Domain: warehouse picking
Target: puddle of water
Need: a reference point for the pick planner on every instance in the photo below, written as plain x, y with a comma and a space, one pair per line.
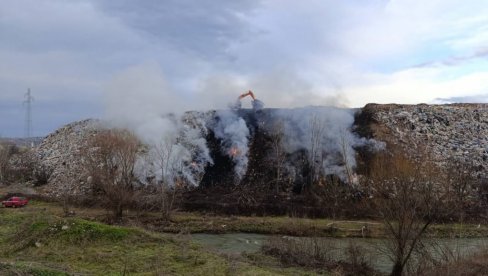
231, 243
236, 243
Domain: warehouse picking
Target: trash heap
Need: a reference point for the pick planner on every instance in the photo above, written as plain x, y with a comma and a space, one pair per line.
454, 132
60, 152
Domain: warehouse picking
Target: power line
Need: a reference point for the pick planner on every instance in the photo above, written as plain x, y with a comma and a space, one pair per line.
28, 113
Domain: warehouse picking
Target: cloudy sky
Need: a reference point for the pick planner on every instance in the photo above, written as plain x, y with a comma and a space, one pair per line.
84, 58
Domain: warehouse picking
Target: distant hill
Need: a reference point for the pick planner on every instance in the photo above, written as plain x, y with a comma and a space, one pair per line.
22, 142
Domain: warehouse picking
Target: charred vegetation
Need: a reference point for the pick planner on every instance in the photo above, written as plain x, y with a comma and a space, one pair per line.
278, 181
309, 161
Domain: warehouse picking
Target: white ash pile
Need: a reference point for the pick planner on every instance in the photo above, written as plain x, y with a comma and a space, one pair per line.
455, 132
60, 152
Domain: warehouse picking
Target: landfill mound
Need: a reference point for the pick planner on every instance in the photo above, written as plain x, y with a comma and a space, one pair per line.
446, 132
61, 153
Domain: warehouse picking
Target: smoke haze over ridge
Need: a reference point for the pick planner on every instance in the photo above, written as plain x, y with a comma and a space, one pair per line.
292, 54
141, 100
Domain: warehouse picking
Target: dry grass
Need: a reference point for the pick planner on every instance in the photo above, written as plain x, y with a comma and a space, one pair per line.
35, 241
318, 254
473, 265
301, 227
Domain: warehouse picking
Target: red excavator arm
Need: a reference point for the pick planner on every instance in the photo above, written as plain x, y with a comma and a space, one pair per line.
248, 93
256, 104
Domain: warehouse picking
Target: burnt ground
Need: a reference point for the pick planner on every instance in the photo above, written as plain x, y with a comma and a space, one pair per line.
258, 193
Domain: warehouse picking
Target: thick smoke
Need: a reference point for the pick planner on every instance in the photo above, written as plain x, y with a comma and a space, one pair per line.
325, 134
179, 155
234, 134
141, 100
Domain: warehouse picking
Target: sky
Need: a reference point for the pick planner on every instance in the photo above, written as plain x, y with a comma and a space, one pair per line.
84, 58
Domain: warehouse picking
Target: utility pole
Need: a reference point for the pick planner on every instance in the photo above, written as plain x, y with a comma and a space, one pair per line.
28, 113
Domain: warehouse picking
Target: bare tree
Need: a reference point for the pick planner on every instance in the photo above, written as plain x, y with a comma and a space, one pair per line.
317, 129
41, 173
169, 163
405, 196
344, 145
65, 197
110, 162
278, 154
4, 162
460, 188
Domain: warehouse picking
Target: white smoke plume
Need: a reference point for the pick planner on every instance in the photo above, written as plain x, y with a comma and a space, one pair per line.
234, 134
140, 100
180, 155
325, 133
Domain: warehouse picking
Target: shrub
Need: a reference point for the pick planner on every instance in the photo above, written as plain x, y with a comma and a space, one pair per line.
307, 252
41, 174
110, 161
318, 253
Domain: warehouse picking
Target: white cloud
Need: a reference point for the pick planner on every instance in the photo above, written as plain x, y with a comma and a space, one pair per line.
291, 53
416, 85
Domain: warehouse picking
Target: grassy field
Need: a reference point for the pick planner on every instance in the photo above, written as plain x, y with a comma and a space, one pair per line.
196, 223
302, 227
184, 222
35, 240
39, 240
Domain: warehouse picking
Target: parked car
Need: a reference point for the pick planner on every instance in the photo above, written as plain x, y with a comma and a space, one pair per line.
15, 201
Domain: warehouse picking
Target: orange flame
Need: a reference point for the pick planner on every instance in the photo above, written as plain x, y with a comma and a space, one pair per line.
233, 152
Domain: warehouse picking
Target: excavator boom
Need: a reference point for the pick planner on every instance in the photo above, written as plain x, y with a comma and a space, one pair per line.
256, 104
248, 93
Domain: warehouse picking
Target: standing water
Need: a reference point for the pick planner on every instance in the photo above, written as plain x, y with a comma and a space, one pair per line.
236, 243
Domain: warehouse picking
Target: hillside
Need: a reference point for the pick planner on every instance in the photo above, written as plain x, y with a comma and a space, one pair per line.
243, 173
455, 132
22, 142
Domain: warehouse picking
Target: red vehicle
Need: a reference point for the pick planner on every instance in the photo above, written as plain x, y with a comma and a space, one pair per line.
15, 201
